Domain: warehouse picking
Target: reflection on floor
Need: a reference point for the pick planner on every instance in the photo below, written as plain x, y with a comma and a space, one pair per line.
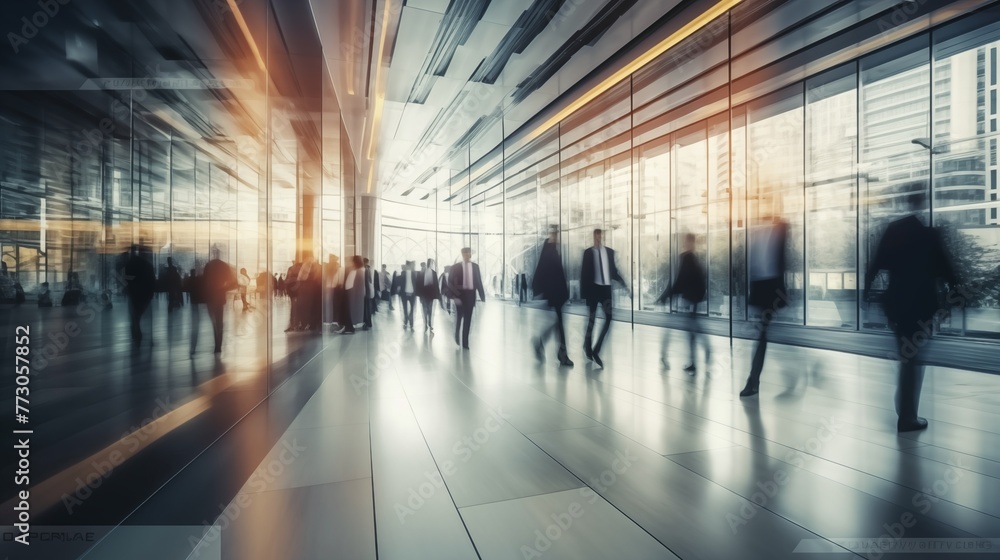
398, 444
96, 399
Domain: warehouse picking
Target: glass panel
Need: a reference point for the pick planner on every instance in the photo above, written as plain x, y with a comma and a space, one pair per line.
653, 225
718, 248
690, 207
775, 154
895, 120
965, 202
831, 200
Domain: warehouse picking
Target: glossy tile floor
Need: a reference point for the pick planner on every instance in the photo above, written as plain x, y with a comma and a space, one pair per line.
400, 445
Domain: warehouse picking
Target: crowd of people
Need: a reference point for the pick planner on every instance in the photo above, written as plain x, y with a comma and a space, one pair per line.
357, 290
348, 296
913, 255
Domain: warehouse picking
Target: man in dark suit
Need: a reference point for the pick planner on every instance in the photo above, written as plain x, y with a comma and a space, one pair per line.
429, 293
377, 284
768, 292
915, 257
394, 290
445, 289
408, 293
465, 282
140, 286
216, 281
369, 304
596, 274
690, 284
549, 280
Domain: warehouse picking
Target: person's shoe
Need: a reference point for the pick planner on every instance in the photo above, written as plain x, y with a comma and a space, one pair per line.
588, 352
565, 361
539, 349
911, 425
597, 360
690, 368
750, 390
341, 330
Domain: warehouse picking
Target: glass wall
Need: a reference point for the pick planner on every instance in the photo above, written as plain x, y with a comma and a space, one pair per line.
136, 147
728, 132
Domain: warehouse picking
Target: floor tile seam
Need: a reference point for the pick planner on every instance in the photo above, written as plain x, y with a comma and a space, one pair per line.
774, 415
324, 426
437, 467
304, 486
750, 434
907, 450
855, 470
518, 498
571, 473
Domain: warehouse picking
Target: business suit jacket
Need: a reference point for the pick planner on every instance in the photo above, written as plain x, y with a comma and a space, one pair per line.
457, 279
397, 283
356, 296
377, 279
368, 276
550, 278
429, 291
690, 281
401, 288
587, 277
915, 257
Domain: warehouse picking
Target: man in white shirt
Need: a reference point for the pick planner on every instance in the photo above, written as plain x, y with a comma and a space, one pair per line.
465, 282
596, 274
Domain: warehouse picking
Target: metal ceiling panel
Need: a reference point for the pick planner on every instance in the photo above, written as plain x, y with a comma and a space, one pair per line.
416, 33
444, 92
464, 63
438, 6
415, 120
486, 36
506, 12
392, 112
